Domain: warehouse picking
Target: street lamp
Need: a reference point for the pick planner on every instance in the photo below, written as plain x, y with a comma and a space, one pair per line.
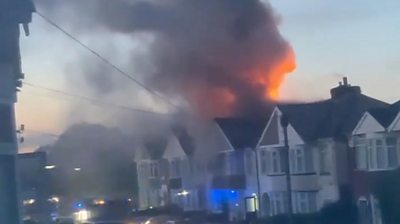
285, 124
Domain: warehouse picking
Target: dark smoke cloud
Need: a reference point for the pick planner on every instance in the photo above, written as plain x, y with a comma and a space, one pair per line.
221, 56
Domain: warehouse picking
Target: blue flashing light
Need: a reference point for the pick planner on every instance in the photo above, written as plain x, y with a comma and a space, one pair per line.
79, 205
219, 197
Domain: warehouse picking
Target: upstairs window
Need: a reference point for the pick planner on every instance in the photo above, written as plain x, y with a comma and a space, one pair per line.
153, 169
249, 162
301, 160
377, 153
361, 151
175, 166
391, 145
264, 161
324, 160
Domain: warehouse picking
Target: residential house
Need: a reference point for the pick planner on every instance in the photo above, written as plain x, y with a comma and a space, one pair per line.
187, 176
318, 135
376, 144
202, 168
150, 170
231, 189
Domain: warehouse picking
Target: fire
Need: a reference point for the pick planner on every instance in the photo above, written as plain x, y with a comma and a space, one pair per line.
278, 74
273, 79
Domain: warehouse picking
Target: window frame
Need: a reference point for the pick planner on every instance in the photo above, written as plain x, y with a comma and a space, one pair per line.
304, 202
249, 162
374, 153
325, 163
175, 168
301, 159
154, 169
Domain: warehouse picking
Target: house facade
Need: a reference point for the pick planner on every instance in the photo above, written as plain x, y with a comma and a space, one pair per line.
149, 172
376, 147
318, 136
243, 162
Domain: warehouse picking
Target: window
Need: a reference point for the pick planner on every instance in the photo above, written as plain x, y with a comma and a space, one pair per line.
298, 161
175, 168
304, 202
301, 160
264, 161
153, 169
235, 166
382, 153
278, 202
276, 161
361, 153
324, 160
391, 146
249, 162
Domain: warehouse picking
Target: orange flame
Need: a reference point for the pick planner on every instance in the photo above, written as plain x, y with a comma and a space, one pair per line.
273, 79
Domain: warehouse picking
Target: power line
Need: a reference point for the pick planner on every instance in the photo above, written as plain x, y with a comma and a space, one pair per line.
91, 100
104, 60
41, 133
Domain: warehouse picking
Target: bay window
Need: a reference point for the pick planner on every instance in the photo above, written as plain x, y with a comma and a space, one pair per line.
391, 145
301, 160
278, 202
304, 202
361, 151
324, 160
264, 161
376, 153
249, 162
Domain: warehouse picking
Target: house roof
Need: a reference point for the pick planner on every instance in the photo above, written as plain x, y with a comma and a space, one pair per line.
241, 133
185, 140
154, 147
385, 115
329, 118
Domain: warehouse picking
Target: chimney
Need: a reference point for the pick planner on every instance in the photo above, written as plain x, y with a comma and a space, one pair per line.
344, 89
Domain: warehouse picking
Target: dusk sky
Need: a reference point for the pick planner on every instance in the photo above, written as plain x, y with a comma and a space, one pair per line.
331, 39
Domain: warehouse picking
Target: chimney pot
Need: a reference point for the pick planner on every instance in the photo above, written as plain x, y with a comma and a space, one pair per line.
345, 81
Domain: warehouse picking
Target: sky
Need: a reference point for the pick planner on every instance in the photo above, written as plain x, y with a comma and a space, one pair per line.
331, 39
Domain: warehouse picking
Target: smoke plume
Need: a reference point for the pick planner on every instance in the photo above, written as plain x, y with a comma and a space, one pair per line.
223, 57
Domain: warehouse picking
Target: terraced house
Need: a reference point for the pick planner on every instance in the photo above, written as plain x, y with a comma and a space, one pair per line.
376, 144
243, 162
318, 135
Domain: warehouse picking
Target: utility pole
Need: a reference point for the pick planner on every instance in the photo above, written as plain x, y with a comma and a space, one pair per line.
13, 13
285, 124
259, 197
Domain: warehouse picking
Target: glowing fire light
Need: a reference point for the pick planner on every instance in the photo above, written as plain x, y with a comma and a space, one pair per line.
29, 202
99, 202
273, 79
